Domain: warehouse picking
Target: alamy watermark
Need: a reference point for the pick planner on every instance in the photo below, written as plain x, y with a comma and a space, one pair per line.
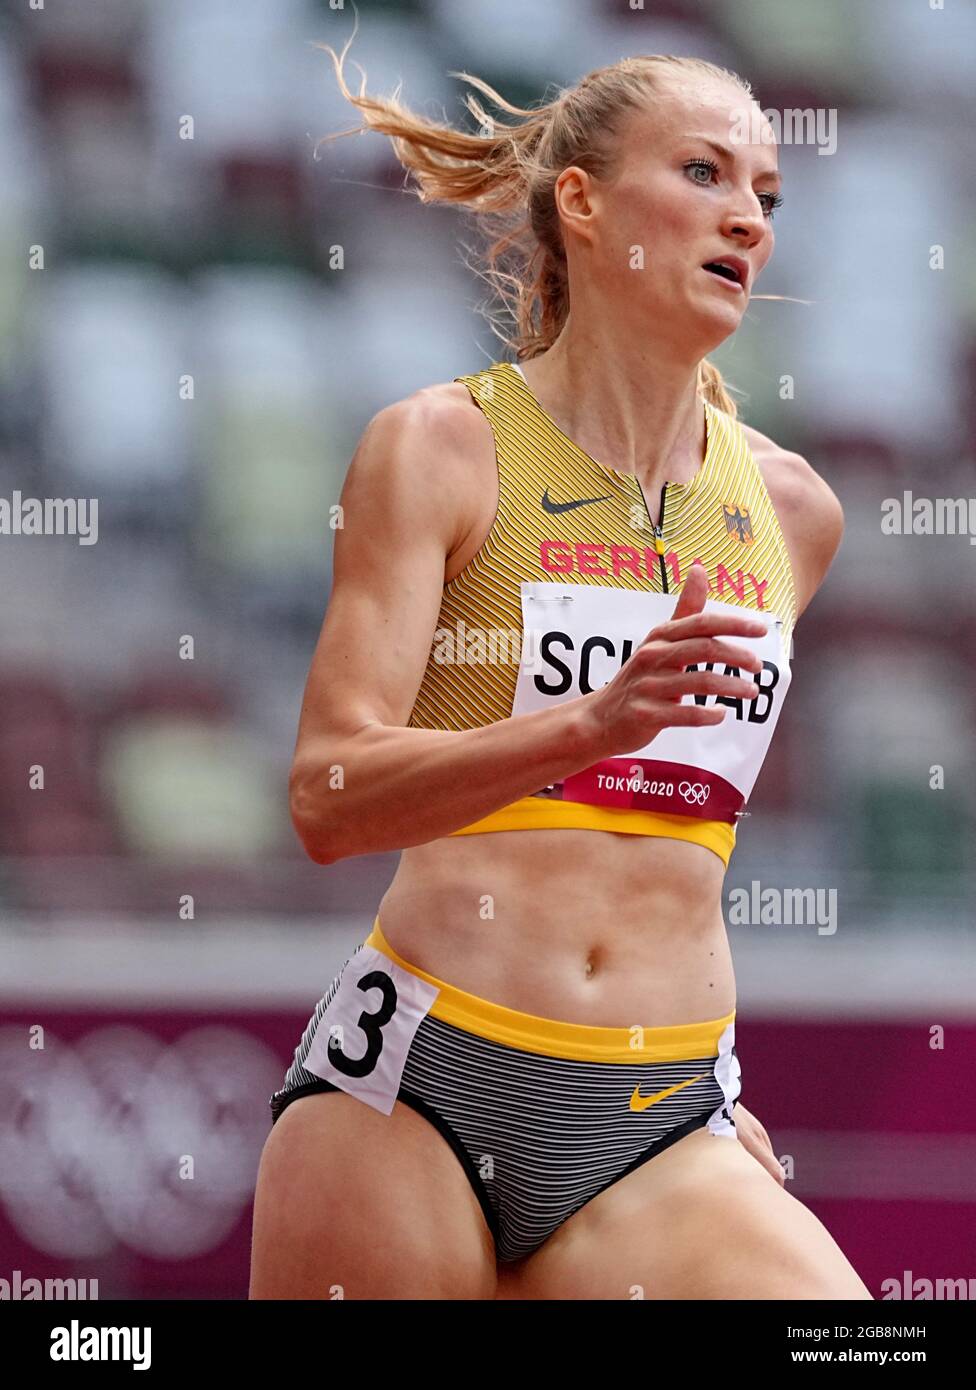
910, 1287
49, 516
810, 125
17, 1287
757, 906
909, 515
479, 646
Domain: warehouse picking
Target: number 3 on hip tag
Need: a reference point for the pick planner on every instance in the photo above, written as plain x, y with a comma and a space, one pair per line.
362, 1039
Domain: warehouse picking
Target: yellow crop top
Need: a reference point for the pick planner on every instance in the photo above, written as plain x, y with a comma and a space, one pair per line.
564, 518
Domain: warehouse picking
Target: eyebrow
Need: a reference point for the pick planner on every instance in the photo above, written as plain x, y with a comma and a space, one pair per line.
730, 154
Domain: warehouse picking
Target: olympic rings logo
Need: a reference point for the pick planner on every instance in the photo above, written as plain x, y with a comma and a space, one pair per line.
119, 1138
695, 792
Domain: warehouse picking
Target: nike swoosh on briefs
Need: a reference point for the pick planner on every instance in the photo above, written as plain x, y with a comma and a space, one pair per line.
556, 507
639, 1102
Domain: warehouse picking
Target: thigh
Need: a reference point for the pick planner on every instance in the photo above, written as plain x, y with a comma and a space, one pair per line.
702, 1220
351, 1203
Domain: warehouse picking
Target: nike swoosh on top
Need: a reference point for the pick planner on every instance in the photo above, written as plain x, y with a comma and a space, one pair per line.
556, 507
639, 1102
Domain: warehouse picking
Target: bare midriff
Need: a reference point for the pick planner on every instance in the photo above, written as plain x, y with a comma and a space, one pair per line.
583, 926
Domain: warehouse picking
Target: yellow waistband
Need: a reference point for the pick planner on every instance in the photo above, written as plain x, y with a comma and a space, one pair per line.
574, 1041
538, 813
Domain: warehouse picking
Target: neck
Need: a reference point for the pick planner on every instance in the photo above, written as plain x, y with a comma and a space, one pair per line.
638, 412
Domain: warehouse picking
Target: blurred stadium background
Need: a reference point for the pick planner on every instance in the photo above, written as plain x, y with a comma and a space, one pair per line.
167, 258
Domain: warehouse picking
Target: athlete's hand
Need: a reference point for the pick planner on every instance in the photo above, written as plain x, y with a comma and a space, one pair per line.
644, 696
754, 1138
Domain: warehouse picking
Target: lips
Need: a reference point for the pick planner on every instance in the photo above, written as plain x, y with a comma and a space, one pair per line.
730, 268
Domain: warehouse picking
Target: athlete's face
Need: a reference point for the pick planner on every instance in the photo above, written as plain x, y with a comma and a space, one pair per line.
696, 183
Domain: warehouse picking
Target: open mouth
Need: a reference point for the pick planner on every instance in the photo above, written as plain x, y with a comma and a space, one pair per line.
725, 271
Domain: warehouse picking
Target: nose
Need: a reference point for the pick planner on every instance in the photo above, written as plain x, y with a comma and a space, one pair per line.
748, 226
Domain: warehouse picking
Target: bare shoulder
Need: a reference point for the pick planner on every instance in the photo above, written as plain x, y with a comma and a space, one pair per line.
807, 508
446, 408
441, 420
467, 468
428, 458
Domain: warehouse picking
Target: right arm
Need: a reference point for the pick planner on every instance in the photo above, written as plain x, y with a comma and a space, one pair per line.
406, 508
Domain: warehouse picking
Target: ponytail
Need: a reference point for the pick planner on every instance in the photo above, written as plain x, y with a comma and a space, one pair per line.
505, 173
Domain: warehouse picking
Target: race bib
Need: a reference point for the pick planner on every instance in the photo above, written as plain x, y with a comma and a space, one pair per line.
576, 637
364, 1035
728, 1074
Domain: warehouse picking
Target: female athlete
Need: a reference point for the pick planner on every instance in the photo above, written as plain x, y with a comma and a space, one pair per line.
556, 647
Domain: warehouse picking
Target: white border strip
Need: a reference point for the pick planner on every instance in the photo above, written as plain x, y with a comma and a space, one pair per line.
238, 962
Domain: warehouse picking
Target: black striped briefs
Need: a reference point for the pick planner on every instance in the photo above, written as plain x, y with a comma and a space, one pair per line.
541, 1115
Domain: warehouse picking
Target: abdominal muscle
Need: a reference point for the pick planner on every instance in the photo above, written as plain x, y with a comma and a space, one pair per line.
583, 926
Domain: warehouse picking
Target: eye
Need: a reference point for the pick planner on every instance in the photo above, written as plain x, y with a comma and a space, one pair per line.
709, 166
770, 201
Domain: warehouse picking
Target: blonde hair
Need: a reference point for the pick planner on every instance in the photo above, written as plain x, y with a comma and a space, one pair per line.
506, 173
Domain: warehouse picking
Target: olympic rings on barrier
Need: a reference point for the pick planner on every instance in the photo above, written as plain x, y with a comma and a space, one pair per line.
122, 1139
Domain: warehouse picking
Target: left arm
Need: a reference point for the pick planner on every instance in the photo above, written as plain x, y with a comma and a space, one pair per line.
808, 511
812, 521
